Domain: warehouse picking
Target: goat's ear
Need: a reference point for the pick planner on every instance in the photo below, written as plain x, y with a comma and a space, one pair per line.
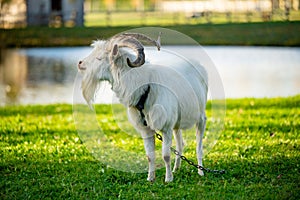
115, 50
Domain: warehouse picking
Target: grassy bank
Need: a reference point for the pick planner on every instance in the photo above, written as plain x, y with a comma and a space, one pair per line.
268, 33
42, 157
133, 18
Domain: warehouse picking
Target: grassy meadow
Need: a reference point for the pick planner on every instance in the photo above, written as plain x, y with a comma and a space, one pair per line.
43, 157
154, 18
255, 33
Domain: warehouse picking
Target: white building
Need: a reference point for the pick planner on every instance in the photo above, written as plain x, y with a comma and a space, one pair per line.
54, 12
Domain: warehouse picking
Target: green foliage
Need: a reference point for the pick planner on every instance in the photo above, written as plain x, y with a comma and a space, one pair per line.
42, 156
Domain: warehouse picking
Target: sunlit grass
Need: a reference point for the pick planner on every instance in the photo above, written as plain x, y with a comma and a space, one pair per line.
42, 156
255, 33
180, 18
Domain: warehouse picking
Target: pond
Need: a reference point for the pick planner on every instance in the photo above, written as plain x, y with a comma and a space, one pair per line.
46, 75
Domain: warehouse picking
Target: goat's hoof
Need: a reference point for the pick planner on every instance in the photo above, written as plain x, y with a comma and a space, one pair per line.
200, 172
176, 166
175, 169
169, 179
151, 180
151, 177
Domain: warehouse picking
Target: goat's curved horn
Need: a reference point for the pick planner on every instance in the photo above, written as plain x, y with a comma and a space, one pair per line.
145, 38
137, 47
140, 59
131, 40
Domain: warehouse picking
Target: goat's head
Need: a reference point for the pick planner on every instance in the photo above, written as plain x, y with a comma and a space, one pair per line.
98, 65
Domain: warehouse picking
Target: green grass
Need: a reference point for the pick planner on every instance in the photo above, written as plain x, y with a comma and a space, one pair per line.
42, 156
154, 18
266, 33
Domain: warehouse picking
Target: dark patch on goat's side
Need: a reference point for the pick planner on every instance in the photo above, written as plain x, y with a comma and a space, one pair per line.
141, 104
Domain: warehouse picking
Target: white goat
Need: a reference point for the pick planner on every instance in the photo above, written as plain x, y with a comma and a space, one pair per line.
165, 98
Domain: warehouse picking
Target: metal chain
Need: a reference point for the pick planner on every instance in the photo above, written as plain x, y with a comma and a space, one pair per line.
159, 137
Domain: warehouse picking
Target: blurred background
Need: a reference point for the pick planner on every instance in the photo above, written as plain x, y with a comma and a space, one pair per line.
254, 44
55, 13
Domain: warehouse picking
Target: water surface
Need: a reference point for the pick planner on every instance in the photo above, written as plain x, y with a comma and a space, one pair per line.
46, 75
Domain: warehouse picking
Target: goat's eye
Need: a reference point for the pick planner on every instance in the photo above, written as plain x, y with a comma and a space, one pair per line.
99, 58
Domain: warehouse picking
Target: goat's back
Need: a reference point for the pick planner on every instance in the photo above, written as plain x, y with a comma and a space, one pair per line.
185, 80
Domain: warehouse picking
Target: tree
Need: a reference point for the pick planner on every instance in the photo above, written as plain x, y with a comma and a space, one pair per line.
3, 2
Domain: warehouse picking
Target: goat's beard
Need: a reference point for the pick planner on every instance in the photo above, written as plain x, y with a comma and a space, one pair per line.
89, 85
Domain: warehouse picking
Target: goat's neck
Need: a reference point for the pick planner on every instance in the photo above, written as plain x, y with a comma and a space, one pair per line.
126, 83
128, 88
119, 83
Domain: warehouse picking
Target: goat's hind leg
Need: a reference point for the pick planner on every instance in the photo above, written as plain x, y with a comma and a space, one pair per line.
179, 147
166, 153
199, 138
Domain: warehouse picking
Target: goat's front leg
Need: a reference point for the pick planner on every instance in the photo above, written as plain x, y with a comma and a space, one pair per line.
179, 147
148, 137
149, 144
166, 153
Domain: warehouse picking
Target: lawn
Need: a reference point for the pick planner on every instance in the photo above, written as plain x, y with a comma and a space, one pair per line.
259, 33
134, 18
43, 157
